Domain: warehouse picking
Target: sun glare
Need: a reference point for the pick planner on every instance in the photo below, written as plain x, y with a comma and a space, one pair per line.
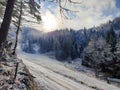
49, 22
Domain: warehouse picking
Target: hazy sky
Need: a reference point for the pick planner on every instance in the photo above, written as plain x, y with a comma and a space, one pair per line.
91, 13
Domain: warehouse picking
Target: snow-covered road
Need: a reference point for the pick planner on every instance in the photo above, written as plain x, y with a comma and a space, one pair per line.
53, 75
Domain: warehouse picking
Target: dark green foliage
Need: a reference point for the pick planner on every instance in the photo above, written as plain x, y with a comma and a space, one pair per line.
63, 42
57, 48
111, 39
117, 75
74, 52
103, 53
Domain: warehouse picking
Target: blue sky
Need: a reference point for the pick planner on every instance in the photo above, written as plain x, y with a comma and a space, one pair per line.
118, 3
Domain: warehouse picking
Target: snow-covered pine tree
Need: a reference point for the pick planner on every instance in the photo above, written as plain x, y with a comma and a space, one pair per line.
111, 39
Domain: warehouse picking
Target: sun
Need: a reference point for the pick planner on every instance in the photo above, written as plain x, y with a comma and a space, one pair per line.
49, 22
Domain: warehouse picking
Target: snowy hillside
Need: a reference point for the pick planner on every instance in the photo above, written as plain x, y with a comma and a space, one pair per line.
13, 73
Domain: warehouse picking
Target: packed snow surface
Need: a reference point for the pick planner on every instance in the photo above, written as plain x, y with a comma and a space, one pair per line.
54, 75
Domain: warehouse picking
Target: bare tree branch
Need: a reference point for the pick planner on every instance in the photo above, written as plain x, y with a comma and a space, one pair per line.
74, 2
64, 10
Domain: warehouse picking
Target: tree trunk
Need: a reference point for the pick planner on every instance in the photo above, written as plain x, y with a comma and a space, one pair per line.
18, 28
6, 21
16, 70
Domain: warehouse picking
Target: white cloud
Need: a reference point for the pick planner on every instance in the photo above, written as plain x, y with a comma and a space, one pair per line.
91, 13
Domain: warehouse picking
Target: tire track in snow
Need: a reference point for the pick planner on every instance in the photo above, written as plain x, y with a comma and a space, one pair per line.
52, 82
65, 82
89, 85
72, 78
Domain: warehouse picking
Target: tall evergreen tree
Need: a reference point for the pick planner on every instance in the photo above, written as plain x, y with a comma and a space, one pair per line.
6, 21
18, 26
111, 39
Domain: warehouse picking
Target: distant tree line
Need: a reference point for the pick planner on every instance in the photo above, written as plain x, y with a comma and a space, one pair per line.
98, 47
66, 44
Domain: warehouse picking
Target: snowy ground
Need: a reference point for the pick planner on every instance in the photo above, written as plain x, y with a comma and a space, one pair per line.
77, 65
54, 75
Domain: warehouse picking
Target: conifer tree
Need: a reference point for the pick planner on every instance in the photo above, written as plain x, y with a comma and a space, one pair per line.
6, 21
111, 39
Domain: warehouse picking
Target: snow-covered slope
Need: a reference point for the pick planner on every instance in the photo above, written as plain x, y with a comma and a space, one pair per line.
53, 75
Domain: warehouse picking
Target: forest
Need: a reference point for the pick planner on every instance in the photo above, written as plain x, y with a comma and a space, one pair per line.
97, 47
